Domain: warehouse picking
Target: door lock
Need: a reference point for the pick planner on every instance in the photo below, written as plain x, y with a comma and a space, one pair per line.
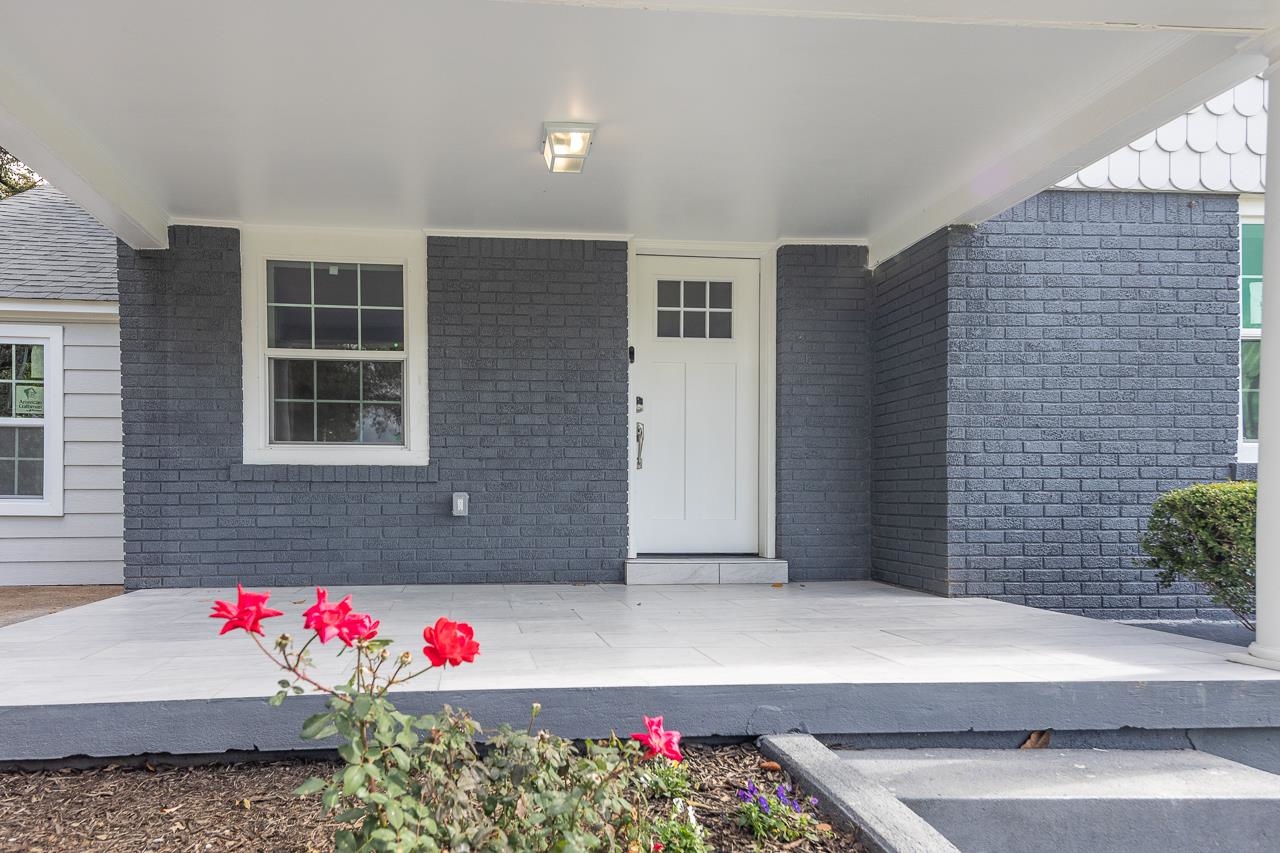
639, 405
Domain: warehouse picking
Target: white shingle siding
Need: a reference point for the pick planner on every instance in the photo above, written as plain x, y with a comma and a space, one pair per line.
84, 545
1220, 146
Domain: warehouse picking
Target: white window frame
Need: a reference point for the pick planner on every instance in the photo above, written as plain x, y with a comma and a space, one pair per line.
49, 337
404, 248
1246, 449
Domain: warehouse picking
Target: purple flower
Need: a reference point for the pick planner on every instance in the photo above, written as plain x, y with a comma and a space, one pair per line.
744, 796
813, 801
763, 803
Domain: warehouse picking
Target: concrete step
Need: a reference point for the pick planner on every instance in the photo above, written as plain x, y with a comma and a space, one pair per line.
1047, 801
705, 570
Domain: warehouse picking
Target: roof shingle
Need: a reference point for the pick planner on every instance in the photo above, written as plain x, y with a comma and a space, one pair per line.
51, 249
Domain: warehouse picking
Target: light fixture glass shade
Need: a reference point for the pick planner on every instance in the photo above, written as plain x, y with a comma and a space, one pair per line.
565, 146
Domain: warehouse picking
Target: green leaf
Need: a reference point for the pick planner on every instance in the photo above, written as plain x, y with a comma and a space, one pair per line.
277, 699
349, 815
283, 684
395, 815
352, 778
312, 786
362, 705
318, 726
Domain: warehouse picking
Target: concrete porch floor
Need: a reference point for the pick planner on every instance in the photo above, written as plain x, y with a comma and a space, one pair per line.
146, 672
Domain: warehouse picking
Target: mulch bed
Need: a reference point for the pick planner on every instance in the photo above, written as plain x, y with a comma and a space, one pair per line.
28, 602
248, 807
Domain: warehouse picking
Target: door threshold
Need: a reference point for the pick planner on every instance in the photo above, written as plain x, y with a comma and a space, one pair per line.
704, 569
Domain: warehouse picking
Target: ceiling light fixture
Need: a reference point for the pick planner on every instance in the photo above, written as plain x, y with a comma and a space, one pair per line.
565, 145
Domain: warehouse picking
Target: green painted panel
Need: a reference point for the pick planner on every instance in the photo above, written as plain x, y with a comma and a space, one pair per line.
1251, 303
1251, 249
1250, 359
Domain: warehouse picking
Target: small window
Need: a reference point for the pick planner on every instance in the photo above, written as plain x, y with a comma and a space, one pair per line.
30, 420
695, 309
1250, 337
335, 347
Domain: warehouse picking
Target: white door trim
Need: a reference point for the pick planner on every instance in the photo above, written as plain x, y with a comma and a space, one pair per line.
766, 254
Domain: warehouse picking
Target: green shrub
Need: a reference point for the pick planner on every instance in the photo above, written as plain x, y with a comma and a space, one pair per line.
1205, 533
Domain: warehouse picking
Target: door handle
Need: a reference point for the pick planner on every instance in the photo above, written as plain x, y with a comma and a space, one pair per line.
639, 445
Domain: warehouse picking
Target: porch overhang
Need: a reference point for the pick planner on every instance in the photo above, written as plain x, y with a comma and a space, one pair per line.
719, 120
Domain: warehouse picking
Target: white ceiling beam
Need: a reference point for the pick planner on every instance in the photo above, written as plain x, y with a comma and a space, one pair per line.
1197, 70
63, 154
1235, 17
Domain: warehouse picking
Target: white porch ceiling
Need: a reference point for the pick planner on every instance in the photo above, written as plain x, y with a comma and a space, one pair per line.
719, 120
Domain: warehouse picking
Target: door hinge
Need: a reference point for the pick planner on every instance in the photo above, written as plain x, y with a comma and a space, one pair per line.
631, 355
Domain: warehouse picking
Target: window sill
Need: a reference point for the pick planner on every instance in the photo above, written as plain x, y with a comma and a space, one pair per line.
328, 473
30, 509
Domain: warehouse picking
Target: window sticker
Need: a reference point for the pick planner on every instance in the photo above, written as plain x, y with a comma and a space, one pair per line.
28, 401
37, 362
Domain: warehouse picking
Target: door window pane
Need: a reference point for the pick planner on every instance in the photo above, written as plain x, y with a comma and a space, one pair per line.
695, 294
721, 294
720, 325
695, 324
668, 294
668, 324
1250, 354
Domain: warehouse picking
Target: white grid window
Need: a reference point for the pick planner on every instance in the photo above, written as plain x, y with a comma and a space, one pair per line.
30, 420
335, 347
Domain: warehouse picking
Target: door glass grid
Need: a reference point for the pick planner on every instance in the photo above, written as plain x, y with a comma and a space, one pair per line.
695, 309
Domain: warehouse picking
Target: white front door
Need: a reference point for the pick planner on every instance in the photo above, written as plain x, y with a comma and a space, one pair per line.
695, 329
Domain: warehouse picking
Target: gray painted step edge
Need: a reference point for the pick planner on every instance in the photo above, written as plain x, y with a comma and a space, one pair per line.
884, 824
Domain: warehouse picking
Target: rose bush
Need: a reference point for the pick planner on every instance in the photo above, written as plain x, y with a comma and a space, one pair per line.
421, 783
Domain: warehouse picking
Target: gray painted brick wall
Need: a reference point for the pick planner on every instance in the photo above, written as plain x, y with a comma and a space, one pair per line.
909, 486
824, 416
1093, 363
527, 386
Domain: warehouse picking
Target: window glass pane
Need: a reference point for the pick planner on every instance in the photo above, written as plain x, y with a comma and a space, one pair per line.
1251, 249
21, 380
1251, 303
381, 285
1250, 353
720, 325
289, 282
381, 329
21, 462
337, 422
293, 422
695, 324
668, 294
338, 380
380, 424
721, 294
695, 294
336, 284
383, 380
289, 327
668, 324
293, 379
30, 478
337, 328
346, 402
30, 442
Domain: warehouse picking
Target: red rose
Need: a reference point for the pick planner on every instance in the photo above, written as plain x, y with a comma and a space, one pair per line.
324, 617
247, 613
450, 642
659, 741
357, 626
